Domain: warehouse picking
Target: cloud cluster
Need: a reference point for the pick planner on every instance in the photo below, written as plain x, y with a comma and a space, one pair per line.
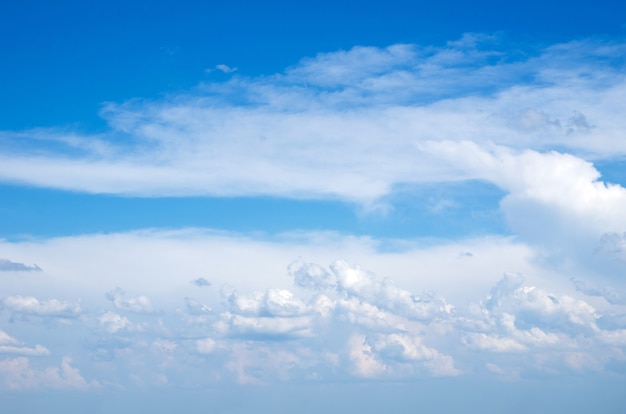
521, 319
374, 316
339, 321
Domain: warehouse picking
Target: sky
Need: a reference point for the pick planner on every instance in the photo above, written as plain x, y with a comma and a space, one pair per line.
255, 207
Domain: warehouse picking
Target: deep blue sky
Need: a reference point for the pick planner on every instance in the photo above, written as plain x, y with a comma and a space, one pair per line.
62, 59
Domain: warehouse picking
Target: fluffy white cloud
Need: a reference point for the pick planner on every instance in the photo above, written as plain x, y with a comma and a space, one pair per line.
263, 328
272, 313
6, 339
357, 283
311, 276
31, 306
550, 332
386, 295
112, 322
272, 302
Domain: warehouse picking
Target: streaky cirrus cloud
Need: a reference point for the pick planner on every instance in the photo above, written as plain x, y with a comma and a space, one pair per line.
362, 114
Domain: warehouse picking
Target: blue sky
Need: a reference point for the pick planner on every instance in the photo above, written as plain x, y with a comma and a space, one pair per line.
329, 206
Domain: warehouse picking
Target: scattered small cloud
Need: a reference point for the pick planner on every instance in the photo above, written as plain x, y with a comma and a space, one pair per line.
222, 68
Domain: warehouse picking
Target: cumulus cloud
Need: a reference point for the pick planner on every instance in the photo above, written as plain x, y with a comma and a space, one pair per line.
113, 322
31, 306
311, 276
9, 266
272, 302
551, 332
272, 313
525, 312
140, 304
263, 328
355, 282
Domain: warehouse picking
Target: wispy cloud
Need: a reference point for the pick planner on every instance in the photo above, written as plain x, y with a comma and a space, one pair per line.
345, 124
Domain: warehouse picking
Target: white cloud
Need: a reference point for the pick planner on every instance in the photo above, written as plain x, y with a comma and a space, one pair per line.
312, 311
38, 350
264, 328
225, 68
17, 374
311, 276
365, 365
272, 302
493, 343
31, 306
273, 313
139, 304
112, 322
6, 339
317, 129
386, 295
